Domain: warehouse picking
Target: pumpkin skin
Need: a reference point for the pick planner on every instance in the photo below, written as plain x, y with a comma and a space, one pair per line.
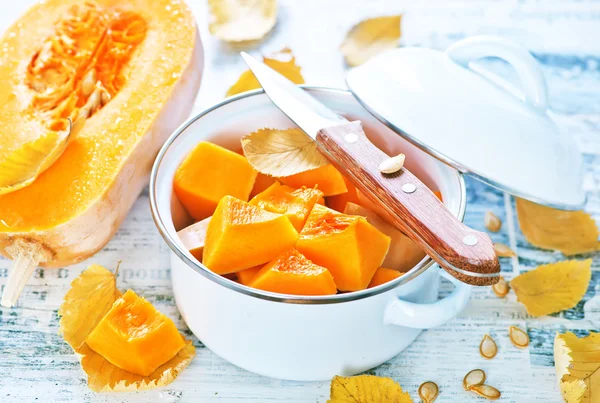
73, 208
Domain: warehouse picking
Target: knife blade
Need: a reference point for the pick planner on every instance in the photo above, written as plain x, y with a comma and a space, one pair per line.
401, 198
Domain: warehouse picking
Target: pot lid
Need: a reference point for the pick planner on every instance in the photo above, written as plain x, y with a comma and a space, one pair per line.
473, 120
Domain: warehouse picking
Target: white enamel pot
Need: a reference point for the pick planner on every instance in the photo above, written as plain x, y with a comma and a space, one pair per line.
294, 337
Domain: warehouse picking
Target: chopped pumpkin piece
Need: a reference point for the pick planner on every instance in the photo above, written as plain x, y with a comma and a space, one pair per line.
135, 337
207, 174
296, 204
383, 275
261, 184
194, 236
338, 202
404, 253
348, 246
246, 276
292, 273
326, 178
241, 236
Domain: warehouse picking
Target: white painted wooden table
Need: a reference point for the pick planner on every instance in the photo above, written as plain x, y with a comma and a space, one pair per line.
36, 365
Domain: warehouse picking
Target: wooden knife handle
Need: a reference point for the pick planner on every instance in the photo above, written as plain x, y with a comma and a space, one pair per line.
411, 206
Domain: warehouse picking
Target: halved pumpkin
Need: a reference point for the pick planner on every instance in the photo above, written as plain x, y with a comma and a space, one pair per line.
348, 246
126, 73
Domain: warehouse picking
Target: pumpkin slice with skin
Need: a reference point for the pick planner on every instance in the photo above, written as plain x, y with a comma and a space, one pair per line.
404, 253
194, 237
240, 236
124, 97
208, 173
348, 246
296, 204
135, 337
326, 178
383, 275
292, 273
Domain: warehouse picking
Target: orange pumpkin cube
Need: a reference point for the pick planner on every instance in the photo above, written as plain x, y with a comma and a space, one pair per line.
292, 273
194, 236
326, 178
383, 275
348, 246
338, 202
135, 337
207, 174
296, 204
404, 253
261, 184
240, 236
246, 276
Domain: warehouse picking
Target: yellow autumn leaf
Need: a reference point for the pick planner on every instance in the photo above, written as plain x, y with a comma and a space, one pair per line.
278, 153
553, 287
577, 362
283, 62
370, 38
91, 296
571, 232
242, 20
24, 164
366, 389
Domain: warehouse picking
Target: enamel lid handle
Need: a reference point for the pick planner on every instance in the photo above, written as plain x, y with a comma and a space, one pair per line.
408, 204
532, 80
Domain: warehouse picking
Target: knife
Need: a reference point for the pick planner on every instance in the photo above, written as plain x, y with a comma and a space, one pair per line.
401, 198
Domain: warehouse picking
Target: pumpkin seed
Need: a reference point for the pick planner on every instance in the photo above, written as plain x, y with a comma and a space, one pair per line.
428, 391
518, 337
501, 288
503, 250
492, 222
393, 164
487, 391
473, 378
488, 348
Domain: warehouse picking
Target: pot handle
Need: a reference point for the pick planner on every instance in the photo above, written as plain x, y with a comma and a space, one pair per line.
532, 80
425, 316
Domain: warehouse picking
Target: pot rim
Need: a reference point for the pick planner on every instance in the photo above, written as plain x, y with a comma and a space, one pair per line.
423, 265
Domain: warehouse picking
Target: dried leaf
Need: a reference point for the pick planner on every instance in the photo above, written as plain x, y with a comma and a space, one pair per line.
283, 62
473, 378
488, 348
571, 232
487, 391
105, 377
370, 38
91, 296
501, 288
518, 337
492, 222
282, 152
242, 20
553, 287
428, 391
366, 389
24, 164
503, 250
578, 366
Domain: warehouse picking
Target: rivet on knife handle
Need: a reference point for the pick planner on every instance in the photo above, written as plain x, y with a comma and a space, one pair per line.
408, 204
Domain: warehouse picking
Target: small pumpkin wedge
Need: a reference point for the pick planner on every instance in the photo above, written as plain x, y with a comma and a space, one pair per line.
126, 73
